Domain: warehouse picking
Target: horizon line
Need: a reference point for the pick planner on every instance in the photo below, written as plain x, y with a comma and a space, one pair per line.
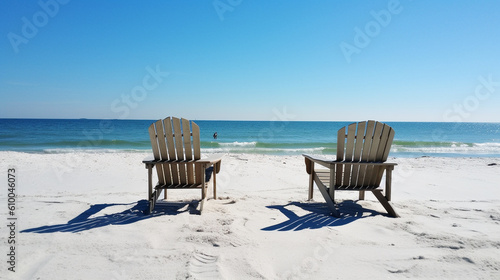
110, 119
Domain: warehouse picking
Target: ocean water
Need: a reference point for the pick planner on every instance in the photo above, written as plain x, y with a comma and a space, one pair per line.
412, 139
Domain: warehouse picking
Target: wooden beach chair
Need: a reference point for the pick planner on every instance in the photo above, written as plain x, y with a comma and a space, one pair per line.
177, 158
362, 149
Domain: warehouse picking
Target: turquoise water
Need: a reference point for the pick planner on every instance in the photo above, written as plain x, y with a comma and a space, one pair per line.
262, 137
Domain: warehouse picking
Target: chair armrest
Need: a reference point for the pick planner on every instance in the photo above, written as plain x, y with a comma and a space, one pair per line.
321, 161
211, 159
331, 163
150, 161
387, 164
214, 160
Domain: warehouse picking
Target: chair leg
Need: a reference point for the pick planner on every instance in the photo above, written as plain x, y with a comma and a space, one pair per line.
332, 184
215, 183
204, 190
150, 180
311, 185
311, 178
204, 186
362, 195
326, 195
387, 205
388, 182
151, 195
152, 200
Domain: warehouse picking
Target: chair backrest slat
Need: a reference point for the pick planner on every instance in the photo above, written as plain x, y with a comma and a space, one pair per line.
340, 156
161, 140
169, 137
154, 141
351, 137
340, 144
367, 143
154, 137
196, 141
188, 150
372, 157
349, 150
186, 138
365, 150
388, 144
179, 150
383, 142
357, 152
161, 132
359, 141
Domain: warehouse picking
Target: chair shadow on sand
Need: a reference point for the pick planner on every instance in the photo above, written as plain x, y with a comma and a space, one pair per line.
85, 221
319, 216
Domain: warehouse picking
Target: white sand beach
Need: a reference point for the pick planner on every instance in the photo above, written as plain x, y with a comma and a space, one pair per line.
79, 216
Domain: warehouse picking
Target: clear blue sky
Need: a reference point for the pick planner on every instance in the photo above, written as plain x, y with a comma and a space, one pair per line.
251, 60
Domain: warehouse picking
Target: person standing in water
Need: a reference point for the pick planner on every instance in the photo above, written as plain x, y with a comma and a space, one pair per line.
215, 135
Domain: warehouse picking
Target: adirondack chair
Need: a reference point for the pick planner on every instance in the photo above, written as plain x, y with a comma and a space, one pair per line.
362, 149
177, 158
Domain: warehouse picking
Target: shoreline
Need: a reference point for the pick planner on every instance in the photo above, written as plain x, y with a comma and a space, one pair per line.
80, 217
105, 151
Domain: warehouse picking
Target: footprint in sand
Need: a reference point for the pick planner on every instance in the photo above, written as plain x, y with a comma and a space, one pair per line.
203, 266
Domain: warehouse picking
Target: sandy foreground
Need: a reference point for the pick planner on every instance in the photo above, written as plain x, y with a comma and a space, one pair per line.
80, 216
